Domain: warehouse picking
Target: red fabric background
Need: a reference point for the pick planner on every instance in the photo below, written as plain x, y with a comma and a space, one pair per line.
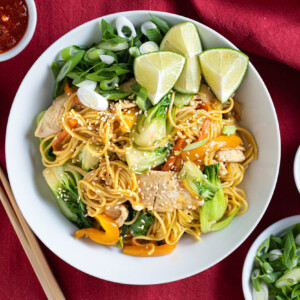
239, 23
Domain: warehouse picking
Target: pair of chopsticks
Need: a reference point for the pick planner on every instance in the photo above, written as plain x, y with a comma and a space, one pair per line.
29, 242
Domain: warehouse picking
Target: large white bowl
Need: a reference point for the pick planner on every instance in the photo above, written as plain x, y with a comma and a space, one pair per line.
37, 202
278, 228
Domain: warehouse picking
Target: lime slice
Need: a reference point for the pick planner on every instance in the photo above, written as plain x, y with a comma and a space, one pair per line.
184, 38
157, 72
223, 70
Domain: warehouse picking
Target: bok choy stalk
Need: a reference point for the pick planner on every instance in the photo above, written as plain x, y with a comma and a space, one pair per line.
140, 161
87, 160
49, 153
151, 126
193, 179
214, 210
63, 181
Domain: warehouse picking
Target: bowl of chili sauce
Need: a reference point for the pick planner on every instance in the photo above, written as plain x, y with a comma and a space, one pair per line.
17, 25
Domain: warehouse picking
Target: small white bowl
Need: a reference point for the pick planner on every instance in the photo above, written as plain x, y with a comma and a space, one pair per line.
32, 17
277, 228
297, 169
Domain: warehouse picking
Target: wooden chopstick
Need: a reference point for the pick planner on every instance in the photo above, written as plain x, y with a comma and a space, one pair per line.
29, 243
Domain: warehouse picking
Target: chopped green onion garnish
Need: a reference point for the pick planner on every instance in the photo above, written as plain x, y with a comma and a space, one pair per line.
229, 130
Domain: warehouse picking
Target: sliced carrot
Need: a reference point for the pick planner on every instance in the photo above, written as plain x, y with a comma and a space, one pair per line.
69, 92
180, 144
205, 106
63, 135
204, 130
67, 89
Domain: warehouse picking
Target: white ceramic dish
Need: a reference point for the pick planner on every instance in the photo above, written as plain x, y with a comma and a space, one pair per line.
190, 257
277, 228
32, 17
297, 169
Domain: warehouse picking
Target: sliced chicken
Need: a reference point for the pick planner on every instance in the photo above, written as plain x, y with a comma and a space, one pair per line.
119, 213
50, 122
222, 169
162, 191
230, 155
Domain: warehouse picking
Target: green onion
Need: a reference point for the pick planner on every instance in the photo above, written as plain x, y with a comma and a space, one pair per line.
270, 278
195, 145
69, 52
146, 26
148, 47
161, 24
70, 65
229, 129
58, 88
289, 251
106, 27
134, 51
255, 279
111, 84
55, 69
114, 95
113, 47
93, 54
290, 278
264, 247
154, 35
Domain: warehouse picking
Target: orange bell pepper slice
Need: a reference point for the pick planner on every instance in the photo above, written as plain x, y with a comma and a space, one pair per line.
218, 143
108, 237
127, 119
143, 250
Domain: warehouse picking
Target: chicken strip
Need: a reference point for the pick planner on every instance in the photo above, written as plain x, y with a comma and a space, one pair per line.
163, 191
50, 122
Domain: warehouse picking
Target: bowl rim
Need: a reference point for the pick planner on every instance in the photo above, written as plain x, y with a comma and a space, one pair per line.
275, 228
256, 74
32, 20
297, 169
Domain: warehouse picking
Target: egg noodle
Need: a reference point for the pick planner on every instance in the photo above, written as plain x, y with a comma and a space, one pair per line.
112, 183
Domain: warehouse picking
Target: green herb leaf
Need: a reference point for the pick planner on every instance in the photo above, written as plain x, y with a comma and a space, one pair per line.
142, 224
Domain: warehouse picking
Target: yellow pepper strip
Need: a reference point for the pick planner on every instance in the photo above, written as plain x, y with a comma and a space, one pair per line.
127, 119
215, 144
108, 237
144, 250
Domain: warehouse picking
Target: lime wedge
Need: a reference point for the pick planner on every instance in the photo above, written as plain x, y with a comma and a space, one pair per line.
157, 72
184, 39
223, 70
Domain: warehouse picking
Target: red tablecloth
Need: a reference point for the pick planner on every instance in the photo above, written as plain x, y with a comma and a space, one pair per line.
223, 281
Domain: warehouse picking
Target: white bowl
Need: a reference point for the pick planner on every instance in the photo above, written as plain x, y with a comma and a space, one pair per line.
277, 228
297, 169
32, 17
37, 202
